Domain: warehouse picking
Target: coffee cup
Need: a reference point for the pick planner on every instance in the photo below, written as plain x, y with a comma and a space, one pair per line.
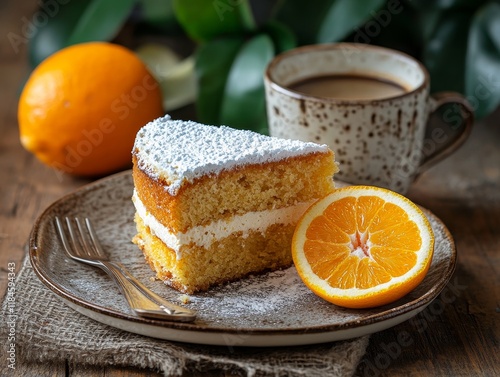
370, 104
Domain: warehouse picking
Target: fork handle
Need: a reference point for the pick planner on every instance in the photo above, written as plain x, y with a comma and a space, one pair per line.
142, 300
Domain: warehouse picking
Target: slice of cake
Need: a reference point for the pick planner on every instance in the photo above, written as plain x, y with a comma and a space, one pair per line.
214, 204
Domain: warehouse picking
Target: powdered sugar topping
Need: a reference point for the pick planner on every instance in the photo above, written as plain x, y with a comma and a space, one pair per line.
177, 151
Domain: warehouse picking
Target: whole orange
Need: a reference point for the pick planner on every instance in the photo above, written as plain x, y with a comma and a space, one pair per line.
81, 108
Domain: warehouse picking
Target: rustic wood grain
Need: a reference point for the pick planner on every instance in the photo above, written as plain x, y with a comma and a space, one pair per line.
458, 335
56, 369
26, 186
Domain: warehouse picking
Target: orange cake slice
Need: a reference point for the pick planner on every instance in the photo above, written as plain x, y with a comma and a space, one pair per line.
214, 204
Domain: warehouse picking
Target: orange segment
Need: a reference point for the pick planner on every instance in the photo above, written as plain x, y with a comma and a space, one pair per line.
362, 247
344, 276
325, 256
395, 261
366, 209
371, 273
323, 229
340, 213
403, 236
388, 215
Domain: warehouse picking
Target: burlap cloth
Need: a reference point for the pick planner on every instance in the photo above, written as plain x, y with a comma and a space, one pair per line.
46, 329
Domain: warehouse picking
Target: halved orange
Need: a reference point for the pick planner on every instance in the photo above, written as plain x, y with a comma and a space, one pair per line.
362, 246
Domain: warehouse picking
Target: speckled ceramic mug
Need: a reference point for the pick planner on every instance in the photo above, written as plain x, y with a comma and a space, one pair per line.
384, 141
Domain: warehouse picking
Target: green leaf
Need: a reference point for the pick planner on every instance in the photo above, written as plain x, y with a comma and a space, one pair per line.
52, 36
282, 37
160, 14
213, 63
344, 16
101, 21
483, 60
243, 104
204, 20
303, 20
264, 11
446, 4
428, 21
394, 27
444, 52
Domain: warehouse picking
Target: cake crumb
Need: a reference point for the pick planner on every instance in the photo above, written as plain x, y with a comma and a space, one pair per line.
185, 299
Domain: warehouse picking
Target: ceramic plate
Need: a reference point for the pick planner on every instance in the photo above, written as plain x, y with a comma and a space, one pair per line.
273, 309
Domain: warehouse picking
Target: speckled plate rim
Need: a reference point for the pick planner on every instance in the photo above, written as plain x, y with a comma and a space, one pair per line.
240, 336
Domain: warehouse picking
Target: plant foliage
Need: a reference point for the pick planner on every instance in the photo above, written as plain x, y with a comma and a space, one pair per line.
457, 40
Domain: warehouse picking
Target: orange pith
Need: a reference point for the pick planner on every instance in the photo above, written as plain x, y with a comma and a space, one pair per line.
362, 247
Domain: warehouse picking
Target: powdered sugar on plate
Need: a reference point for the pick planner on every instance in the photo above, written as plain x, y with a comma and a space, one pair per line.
251, 311
279, 299
258, 294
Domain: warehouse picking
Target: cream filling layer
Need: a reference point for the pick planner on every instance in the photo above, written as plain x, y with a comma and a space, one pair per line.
204, 236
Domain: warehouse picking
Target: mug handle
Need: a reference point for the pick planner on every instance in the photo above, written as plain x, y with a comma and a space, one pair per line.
466, 113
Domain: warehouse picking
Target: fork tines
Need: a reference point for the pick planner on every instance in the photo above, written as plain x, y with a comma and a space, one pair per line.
82, 241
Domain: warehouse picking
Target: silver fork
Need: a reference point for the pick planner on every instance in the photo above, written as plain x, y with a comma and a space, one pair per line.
82, 245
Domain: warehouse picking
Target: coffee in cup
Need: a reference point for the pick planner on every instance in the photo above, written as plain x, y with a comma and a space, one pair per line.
348, 87
370, 104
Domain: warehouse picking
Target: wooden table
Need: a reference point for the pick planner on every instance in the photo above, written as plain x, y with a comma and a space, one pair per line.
457, 335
